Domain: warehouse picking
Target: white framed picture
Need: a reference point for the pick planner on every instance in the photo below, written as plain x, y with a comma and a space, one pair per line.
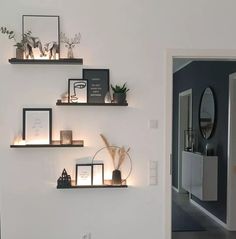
37, 125
83, 174
98, 174
77, 91
41, 36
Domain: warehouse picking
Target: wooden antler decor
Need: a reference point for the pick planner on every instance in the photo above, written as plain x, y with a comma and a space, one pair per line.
70, 43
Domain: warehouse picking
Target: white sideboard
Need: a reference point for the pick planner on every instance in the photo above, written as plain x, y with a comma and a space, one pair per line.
200, 175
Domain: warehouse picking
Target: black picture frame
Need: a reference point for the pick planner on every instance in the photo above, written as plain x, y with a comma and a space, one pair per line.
92, 179
87, 169
27, 135
98, 84
45, 40
81, 84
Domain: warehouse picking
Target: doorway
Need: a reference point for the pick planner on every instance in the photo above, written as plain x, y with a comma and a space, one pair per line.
184, 123
194, 55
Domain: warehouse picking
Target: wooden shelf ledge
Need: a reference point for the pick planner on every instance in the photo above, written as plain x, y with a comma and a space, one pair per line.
94, 186
54, 144
107, 184
89, 104
62, 61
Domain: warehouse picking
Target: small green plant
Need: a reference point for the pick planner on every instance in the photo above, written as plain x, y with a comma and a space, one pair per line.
120, 89
11, 34
19, 45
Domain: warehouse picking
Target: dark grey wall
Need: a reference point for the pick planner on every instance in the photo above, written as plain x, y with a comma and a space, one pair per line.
198, 75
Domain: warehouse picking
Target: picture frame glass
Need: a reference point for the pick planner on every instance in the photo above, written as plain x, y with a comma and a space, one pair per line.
77, 90
98, 174
37, 126
98, 84
66, 137
83, 175
41, 35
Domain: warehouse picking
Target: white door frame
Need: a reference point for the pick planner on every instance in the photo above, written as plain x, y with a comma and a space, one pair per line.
231, 209
180, 134
170, 54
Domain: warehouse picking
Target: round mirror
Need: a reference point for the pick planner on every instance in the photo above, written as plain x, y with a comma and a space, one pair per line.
207, 113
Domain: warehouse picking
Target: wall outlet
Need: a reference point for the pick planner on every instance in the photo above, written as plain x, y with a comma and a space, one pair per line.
153, 124
87, 236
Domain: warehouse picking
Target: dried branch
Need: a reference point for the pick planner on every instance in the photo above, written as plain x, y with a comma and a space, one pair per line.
112, 151
72, 41
122, 154
76, 39
64, 39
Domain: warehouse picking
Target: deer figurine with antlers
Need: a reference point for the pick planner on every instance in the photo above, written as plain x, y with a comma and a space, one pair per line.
70, 43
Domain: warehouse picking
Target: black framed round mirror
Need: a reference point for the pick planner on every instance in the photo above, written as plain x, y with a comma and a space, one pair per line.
207, 113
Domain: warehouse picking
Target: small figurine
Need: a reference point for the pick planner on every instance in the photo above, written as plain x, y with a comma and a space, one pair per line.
52, 48
64, 181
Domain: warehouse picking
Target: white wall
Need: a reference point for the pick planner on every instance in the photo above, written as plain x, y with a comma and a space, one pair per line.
130, 37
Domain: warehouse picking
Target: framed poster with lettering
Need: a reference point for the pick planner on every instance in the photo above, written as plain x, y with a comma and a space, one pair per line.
83, 174
37, 125
98, 84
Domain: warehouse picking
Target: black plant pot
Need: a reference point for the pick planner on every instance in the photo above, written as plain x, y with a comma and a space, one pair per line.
119, 98
116, 177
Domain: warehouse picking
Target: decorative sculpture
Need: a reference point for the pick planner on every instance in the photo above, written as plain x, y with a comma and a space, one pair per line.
64, 181
52, 48
70, 43
31, 42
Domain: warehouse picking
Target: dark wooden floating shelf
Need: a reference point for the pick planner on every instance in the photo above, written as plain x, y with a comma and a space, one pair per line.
61, 61
90, 104
54, 144
94, 186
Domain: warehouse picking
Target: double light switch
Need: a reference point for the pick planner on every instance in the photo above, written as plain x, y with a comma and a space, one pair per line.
153, 172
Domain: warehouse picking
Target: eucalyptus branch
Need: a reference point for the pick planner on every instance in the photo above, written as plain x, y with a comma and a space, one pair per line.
9, 33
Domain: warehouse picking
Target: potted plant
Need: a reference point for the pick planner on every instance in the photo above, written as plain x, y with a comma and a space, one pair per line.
119, 93
19, 45
19, 50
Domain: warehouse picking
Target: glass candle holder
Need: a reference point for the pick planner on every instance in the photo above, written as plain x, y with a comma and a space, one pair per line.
189, 140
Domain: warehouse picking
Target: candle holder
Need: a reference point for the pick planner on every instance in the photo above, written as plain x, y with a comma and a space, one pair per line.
189, 140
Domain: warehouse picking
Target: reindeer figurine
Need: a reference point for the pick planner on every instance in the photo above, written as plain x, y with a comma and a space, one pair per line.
70, 43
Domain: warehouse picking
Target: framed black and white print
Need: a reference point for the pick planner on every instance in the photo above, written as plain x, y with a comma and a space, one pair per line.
77, 91
98, 84
41, 36
37, 125
83, 174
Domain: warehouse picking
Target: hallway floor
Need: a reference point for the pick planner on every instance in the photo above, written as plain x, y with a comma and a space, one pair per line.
213, 229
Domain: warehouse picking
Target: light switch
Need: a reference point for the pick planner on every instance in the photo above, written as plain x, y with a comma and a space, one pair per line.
153, 172
153, 124
153, 181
